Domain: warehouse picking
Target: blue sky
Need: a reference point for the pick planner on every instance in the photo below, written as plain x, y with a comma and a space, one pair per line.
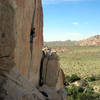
71, 19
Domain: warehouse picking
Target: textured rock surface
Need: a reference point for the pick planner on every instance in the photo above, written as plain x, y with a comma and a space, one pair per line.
51, 93
52, 74
13, 86
17, 18
52, 70
61, 80
37, 43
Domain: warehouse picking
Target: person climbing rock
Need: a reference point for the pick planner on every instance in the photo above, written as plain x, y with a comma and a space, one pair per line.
32, 35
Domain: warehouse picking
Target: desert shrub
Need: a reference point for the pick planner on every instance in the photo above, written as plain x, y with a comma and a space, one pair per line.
73, 91
88, 96
98, 77
85, 83
67, 78
79, 93
73, 78
84, 96
89, 90
96, 96
91, 78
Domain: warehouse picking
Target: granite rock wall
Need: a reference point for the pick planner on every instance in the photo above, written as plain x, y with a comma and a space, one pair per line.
18, 19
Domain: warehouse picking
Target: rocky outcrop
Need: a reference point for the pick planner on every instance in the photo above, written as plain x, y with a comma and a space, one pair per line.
21, 42
52, 75
52, 94
18, 19
13, 86
92, 41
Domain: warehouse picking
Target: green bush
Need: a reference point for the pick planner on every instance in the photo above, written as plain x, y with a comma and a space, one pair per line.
92, 78
84, 96
67, 78
74, 90
88, 96
98, 77
85, 83
89, 90
79, 93
73, 78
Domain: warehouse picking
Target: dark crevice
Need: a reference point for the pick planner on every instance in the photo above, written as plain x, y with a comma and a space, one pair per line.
3, 92
44, 93
32, 35
4, 56
3, 35
41, 70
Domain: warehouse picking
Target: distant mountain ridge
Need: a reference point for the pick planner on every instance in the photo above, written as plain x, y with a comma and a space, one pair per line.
67, 42
92, 41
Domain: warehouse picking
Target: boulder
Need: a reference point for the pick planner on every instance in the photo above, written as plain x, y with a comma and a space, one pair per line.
13, 86
52, 70
62, 93
50, 93
52, 74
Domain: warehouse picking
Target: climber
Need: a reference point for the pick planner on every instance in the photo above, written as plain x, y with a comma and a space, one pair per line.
32, 35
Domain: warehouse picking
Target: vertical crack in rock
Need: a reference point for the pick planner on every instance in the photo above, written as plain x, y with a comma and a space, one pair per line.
41, 69
42, 73
32, 35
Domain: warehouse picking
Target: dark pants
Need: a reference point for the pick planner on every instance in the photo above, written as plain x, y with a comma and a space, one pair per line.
31, 46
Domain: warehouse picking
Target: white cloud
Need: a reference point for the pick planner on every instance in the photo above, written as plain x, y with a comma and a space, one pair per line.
75, 23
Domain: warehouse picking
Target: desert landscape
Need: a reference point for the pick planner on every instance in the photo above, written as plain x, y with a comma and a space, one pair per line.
82, 63
49, 50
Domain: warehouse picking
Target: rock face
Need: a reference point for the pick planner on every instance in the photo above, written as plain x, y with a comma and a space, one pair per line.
21, 42
92, 41
13, 86
51, 70
18, 18
52, 94
52, 74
